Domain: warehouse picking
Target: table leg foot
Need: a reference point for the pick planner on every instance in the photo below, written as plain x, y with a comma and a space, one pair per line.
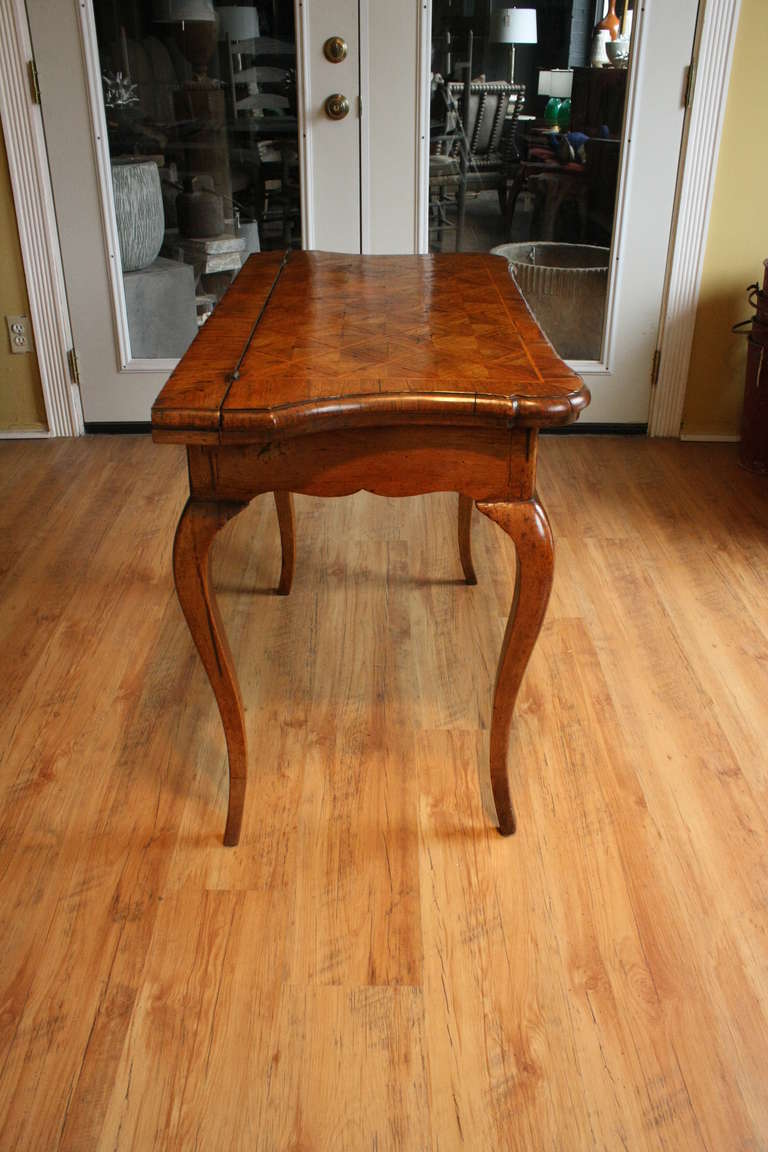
526, 523
287, 521
199, 523
465, 538
234, 811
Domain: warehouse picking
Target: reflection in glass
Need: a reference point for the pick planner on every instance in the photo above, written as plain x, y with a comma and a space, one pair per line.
200, 104
526, 119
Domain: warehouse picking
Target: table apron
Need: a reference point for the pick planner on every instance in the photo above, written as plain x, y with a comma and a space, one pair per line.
484, 463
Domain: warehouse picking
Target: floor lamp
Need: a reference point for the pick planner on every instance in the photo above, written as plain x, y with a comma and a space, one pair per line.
513, 26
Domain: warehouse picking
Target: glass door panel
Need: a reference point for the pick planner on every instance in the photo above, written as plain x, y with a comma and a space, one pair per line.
526, 127
200, 104
182, 135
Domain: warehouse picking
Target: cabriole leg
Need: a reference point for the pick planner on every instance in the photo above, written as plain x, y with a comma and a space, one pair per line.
199, 523
526, 523
465, 538
287, 521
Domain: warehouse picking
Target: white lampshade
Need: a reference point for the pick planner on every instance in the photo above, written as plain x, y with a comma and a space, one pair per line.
238, 23
545, 79
561, 83
176, 11
513, 26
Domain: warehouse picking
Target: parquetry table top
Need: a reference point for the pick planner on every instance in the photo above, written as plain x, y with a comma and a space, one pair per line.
320, 338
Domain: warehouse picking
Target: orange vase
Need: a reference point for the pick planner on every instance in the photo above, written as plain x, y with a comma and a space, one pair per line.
611, 22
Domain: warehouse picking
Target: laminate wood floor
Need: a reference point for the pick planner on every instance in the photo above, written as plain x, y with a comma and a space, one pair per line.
373, 967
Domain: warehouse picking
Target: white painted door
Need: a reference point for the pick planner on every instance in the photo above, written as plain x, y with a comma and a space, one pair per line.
561, 201
224, 104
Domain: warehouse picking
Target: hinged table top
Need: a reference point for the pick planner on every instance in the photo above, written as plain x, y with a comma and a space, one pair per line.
309, 339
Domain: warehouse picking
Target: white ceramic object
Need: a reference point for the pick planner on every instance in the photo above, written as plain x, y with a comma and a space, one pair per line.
599, 56
138, 212
617, 51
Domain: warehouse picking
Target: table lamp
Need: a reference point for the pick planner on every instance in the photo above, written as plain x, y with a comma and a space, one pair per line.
195, 30
177, 11
545, 79
513, 26
238, 23
557, 83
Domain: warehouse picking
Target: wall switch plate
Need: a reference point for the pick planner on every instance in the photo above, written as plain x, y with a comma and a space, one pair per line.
18, 333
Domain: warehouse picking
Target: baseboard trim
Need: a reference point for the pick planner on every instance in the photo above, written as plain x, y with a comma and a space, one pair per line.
116, 428
580, 429
25, 434
708, 438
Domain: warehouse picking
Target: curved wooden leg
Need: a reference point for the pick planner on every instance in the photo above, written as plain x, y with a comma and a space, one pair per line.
527, 524
465, 538
199, 523
287, 522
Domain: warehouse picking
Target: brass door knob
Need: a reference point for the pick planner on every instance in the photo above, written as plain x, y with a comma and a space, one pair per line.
337, 106
335, 49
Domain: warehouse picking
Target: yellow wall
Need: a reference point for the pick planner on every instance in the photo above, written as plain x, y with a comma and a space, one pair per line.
21, 396
738, 237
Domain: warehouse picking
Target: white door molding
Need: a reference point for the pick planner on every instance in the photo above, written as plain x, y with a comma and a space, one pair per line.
36, 219
423, 98
304, 111
713, 55
330, 150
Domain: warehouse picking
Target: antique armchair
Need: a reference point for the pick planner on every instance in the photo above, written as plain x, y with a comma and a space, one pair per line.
477, 150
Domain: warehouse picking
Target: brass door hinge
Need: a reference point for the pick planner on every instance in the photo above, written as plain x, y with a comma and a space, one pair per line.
690, 84
655, 367
34, 81
74, 367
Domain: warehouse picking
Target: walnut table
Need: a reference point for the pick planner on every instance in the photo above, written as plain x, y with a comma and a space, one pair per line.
325, 374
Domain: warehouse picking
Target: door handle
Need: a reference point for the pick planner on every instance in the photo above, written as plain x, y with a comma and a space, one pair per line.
337, 106
335, 49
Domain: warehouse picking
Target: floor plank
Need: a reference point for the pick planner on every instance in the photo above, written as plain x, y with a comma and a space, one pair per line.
373, 967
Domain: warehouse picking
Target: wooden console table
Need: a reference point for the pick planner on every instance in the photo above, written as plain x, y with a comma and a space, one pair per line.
325, 374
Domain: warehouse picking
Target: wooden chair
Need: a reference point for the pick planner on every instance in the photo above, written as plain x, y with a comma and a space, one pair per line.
590, 187
481, 145
489, 131
269, 153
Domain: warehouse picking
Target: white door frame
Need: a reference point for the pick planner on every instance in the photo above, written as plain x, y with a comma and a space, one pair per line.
712, 59
22, 127
33, 200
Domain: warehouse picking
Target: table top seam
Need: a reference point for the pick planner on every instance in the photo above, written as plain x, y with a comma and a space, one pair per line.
235, 374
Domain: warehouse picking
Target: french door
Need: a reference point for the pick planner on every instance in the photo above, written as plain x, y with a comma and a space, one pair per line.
183, 135
578, 188
208, 129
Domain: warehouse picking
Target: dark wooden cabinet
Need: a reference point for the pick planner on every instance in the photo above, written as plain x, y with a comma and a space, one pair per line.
597, 101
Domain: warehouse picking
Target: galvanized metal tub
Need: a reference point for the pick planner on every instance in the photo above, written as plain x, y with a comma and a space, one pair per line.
565, 286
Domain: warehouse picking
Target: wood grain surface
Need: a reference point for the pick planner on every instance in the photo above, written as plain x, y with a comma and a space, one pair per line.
373, 967
399, 376
350, 340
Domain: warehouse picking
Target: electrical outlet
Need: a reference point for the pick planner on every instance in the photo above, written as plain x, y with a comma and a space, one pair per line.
18, 333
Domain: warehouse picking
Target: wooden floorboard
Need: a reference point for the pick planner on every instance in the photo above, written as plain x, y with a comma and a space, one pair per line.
373, 967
